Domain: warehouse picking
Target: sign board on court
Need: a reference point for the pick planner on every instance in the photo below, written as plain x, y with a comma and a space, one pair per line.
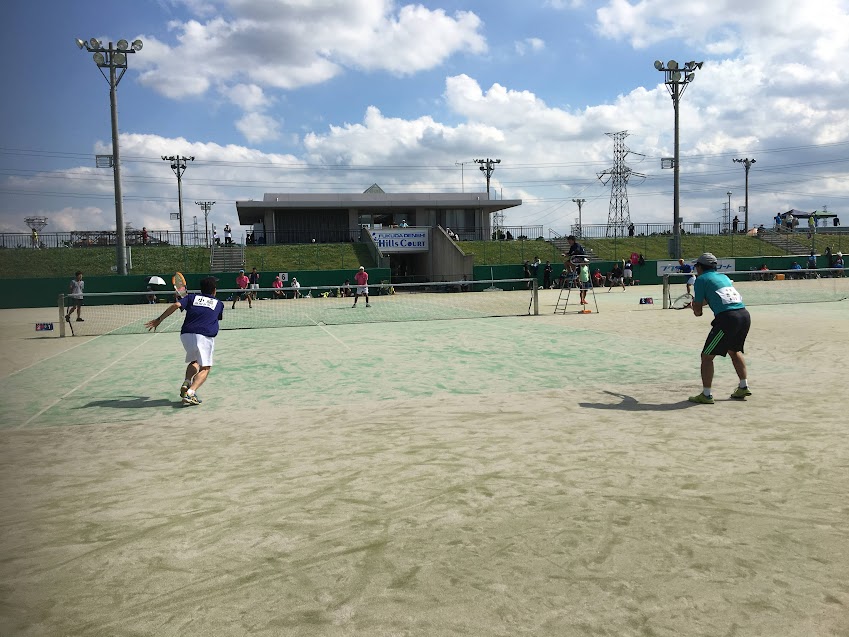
671, 267
402, 239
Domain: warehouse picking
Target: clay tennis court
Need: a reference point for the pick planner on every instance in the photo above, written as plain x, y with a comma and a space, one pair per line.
536, 475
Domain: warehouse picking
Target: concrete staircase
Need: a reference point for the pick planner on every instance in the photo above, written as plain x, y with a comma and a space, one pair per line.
226, 258
786, 242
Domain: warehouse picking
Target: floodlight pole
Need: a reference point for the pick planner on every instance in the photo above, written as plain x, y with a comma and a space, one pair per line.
729, 226
178, 165
747, 163
676, 84
114, 59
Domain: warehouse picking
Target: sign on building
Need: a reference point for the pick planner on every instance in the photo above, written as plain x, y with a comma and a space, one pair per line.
402, 239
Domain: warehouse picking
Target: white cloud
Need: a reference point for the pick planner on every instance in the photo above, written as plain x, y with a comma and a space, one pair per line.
258, 128
529, 45
248, 97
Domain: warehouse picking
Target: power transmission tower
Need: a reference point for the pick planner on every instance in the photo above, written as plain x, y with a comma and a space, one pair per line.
487, 166
206, 206
618, 216
178, 165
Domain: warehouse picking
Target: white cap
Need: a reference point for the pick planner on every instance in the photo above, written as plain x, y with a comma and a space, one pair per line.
362, 268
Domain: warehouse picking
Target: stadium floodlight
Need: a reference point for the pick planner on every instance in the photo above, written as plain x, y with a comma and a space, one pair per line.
676, 84
114, 58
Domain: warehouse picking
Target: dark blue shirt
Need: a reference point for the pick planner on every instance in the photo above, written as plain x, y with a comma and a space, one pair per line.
202, 314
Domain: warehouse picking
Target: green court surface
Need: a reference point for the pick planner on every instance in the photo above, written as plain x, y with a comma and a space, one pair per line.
529, 475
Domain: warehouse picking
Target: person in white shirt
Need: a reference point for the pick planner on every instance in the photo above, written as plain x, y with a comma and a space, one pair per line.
75, 299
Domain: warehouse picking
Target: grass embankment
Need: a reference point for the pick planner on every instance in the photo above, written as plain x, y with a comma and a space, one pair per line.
61, 262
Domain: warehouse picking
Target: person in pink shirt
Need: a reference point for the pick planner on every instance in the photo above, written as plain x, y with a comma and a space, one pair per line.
361, 279
278, 288
242, 283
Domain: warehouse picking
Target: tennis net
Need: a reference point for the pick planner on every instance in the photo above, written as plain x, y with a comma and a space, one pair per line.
127, 312
773, 287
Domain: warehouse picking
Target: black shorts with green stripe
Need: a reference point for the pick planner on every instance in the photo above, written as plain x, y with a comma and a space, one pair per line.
728, 332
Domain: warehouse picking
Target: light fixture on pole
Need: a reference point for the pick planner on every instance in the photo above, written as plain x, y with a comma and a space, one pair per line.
487, 166
178, 165
114, 58
676, 80
580, 202
747, 163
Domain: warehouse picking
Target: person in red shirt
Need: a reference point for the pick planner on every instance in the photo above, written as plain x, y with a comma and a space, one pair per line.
361, 279
242, 283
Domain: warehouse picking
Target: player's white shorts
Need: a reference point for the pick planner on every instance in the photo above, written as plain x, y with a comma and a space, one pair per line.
199, 348
362, 289
254, 286
691, 280
628, 274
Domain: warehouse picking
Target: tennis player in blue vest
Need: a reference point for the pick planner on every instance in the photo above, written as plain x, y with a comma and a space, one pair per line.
200, 327
729, 328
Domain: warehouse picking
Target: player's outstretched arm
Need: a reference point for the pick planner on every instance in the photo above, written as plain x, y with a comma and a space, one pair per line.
152, 325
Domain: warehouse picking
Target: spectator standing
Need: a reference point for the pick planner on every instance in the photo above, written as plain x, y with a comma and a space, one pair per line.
228, 235
526, 272
630, 229
788, 220
735, 223
215, 238
361, 279
777, 222
76, 289
144, 235
836, 222
584, 278
546, 275
34, 238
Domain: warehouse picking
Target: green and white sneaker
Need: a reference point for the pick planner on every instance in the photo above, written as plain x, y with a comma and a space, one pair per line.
184, 388
191, 399
701, 399
741, 392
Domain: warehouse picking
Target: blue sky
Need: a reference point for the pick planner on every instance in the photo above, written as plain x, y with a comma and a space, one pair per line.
334, 95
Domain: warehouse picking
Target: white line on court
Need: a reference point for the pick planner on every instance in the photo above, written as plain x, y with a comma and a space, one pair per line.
85, 382
18, 371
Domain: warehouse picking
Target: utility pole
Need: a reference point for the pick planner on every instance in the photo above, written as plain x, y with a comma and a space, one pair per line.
729, 211
580, 202
462, 180
487, 167
178, 165
206, 206
747, 163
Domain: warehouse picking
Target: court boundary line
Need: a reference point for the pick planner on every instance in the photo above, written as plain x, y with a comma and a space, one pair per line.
43, 360
85, 382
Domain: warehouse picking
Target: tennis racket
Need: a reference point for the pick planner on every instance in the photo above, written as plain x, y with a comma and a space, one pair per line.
179, 282
683, 301
71, 325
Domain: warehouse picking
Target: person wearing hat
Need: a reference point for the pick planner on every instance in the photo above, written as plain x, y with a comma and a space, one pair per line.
404, 223
361, 279
242, 283
729, 328
200, 327
838, 265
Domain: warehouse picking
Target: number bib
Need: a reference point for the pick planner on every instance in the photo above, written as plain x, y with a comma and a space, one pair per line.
729, 295
205, 301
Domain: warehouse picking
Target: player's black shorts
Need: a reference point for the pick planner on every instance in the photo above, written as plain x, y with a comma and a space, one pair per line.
728, 332
73, 302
